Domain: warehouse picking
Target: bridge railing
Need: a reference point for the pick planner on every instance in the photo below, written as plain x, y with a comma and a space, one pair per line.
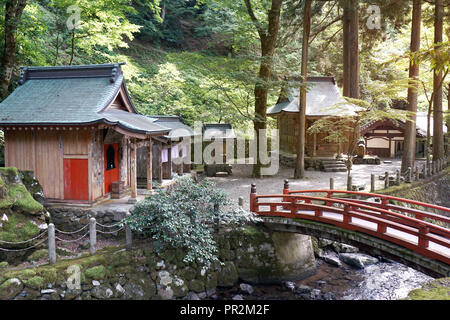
384, 202
358, 215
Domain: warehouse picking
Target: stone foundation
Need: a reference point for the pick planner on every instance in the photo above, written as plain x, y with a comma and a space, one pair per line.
254, 254
72, 219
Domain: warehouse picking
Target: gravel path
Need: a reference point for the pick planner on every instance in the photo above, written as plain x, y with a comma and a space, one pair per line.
239, 183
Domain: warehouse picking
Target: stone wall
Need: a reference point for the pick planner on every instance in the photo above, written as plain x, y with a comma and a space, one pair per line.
72, 219
253, 255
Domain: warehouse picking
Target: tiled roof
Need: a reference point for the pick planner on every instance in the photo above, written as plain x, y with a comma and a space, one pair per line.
71, 95
176, 124
322, 99
218, 131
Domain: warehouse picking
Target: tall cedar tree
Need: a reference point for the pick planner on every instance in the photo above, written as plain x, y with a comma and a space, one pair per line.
300, 162
13, 14
268, 39
438, 133
410, 127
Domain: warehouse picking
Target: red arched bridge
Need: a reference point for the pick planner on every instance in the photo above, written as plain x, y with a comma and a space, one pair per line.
411, 232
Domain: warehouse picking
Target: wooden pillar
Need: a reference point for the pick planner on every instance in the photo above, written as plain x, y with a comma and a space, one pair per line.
133, 170
149, 164
168, 169
314, 144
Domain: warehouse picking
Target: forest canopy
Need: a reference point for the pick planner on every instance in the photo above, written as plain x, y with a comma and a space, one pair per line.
200, 57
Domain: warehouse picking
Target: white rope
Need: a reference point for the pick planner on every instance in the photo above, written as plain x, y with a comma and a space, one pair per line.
23, 242
112, 232
110, 226
65, 232
70, 241
17, 250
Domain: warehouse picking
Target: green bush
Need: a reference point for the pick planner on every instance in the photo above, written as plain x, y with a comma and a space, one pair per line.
186, 217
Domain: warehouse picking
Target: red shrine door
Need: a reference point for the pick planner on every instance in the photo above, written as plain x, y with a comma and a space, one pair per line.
76, 181
111, 157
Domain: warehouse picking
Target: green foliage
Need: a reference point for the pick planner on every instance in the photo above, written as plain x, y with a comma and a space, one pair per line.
186, 217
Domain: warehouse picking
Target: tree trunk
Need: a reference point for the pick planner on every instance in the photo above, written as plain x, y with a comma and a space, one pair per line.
351, 87
300, 161
13, 14
268, 39
438, 134
410, 128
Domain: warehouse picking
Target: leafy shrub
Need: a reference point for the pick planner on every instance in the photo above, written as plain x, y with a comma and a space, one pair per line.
186, 216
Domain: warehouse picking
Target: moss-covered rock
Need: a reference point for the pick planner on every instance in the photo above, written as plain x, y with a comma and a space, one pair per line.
38, 255
438, 289
227, 275
3, 265
10, 288
35, 283
96, 273
197, 286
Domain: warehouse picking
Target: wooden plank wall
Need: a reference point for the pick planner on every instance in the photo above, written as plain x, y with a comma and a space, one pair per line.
287, 125
43, 151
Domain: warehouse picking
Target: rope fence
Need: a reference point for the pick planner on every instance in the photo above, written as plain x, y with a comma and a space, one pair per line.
427, 170
52, 236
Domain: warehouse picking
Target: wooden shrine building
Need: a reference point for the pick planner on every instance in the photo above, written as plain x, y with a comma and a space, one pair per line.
323, 99
78, 130
176, 145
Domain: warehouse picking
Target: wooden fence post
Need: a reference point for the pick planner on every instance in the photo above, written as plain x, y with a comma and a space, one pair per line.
416, 174
92, 235
397, 177
331, 184
372, 183
349, 183
386, 180
128, 234
51, 243
409, 175
241, 201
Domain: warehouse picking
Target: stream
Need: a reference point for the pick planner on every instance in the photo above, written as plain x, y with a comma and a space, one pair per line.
381, 281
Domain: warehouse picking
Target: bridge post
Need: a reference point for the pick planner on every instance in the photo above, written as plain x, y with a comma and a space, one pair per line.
347, 218
423, 242
372, 183
386, 180
381, 228
253, 198
286, 191
397, 178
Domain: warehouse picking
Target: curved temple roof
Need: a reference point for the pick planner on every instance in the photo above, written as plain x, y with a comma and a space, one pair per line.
73, 95
322, 99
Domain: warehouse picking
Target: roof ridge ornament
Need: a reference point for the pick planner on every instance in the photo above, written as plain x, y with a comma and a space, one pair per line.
114, 73
23, 75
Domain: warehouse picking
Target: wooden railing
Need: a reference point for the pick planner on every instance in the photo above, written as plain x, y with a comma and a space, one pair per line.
425, 233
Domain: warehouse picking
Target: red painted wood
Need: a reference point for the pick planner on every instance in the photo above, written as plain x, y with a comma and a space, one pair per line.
111, 175
76, 181
368, 211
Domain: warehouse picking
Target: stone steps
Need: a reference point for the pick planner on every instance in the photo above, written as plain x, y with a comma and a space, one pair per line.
333, 166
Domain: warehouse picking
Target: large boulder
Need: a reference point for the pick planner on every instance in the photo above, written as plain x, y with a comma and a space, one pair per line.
21, 217
357, 260
10, 289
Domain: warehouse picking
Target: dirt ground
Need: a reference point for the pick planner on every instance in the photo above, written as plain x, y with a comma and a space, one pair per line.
239, 183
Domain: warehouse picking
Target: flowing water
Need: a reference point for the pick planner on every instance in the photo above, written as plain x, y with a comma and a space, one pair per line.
381, 281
